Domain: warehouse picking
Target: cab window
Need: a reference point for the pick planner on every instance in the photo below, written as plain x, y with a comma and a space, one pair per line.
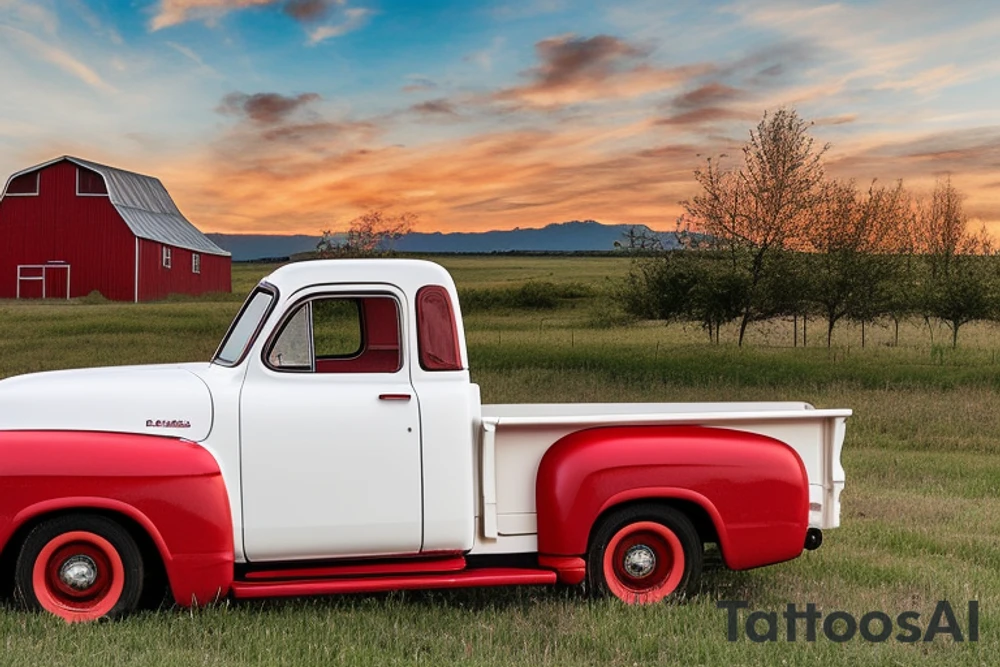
340, 335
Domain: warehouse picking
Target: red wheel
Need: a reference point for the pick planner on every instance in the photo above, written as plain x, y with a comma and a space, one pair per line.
644, 554
80, 568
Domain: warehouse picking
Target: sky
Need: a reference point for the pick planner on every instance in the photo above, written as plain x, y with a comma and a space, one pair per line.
294, 116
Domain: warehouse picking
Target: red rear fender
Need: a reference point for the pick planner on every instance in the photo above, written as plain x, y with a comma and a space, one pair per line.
752, 488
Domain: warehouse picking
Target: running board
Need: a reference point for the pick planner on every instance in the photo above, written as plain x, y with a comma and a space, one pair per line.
361, 569
498, 576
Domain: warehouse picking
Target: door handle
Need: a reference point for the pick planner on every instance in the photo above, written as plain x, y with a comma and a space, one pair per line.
394, 397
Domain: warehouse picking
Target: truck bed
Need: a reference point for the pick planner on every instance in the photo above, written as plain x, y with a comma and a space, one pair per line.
514, 437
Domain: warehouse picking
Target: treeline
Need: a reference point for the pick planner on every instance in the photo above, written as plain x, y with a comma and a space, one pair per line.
775, 237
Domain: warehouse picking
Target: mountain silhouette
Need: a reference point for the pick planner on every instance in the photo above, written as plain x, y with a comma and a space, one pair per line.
574, 236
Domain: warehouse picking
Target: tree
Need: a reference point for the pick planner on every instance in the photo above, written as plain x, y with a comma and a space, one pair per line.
854, 238
639, 239
717, 298
372, 233
958, 288
685, 285
758, 211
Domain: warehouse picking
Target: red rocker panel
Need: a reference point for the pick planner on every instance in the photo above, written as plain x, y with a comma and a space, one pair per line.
172, 488
754, 488
466, 578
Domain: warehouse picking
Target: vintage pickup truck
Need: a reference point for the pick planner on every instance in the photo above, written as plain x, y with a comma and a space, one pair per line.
336, 444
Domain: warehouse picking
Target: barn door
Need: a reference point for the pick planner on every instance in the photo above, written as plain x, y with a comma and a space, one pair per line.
56, 281
43, 281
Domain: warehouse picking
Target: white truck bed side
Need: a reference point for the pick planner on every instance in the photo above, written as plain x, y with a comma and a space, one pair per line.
513, 439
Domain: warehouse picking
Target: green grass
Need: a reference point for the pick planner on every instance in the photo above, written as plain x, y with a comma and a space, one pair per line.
921, 510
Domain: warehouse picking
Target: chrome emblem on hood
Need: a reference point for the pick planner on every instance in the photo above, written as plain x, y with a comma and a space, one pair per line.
168, 423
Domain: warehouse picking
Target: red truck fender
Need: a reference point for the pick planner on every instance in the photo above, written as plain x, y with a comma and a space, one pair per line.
169, 489
748, 492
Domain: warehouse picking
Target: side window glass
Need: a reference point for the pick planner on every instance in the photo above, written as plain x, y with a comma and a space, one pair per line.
340, 335
336, 328
293, 349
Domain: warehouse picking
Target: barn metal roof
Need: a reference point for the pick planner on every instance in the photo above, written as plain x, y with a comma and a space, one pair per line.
145, 205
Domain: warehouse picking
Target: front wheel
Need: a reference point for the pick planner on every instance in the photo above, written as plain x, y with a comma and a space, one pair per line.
644, 554
79, 567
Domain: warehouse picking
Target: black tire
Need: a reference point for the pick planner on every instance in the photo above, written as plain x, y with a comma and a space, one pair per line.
644, 537
104, 557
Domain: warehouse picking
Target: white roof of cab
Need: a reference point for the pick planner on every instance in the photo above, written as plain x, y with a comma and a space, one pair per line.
407, 274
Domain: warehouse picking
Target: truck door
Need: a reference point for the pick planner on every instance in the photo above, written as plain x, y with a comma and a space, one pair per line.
330, 433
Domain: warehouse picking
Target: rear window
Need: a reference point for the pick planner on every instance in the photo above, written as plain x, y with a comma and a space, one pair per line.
437, 334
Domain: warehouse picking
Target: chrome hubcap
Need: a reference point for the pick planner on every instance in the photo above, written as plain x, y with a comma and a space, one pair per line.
640, 561
78, 572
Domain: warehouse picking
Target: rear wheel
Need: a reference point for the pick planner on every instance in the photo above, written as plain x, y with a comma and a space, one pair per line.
644, 554
79, 567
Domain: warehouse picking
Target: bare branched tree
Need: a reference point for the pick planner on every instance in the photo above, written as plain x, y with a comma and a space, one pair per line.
960, 288
371, 234
759, 210
855, 238
639, 240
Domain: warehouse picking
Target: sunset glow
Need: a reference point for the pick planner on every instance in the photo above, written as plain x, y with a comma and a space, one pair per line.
292, 116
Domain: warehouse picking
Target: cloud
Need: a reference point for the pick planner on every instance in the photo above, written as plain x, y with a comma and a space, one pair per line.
968, 150
275, 128
302, 176
566, 60
970, 156
175, 12
842, 119
193, 56
524, 9
710, 94
580, 69
354, 19
265, 108
419, 83
108, 32
311, 13
55, 56
30, 13
318, 131
773, 64
711, 102
439, 106
888, 45
706, 115
484, 57
310, 10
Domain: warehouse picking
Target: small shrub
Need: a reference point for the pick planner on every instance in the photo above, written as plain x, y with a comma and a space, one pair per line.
95, 298
610, 318
532, 295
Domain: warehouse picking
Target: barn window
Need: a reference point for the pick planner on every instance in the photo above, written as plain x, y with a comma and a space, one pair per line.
195, 263
166, 257
89, 183
24, 185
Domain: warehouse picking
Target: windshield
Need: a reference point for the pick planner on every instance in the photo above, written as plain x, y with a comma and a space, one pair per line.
242, 331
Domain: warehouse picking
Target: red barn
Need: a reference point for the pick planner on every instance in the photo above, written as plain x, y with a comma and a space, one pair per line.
71, 226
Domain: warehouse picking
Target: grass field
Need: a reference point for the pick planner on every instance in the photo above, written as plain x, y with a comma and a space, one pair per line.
921, 511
